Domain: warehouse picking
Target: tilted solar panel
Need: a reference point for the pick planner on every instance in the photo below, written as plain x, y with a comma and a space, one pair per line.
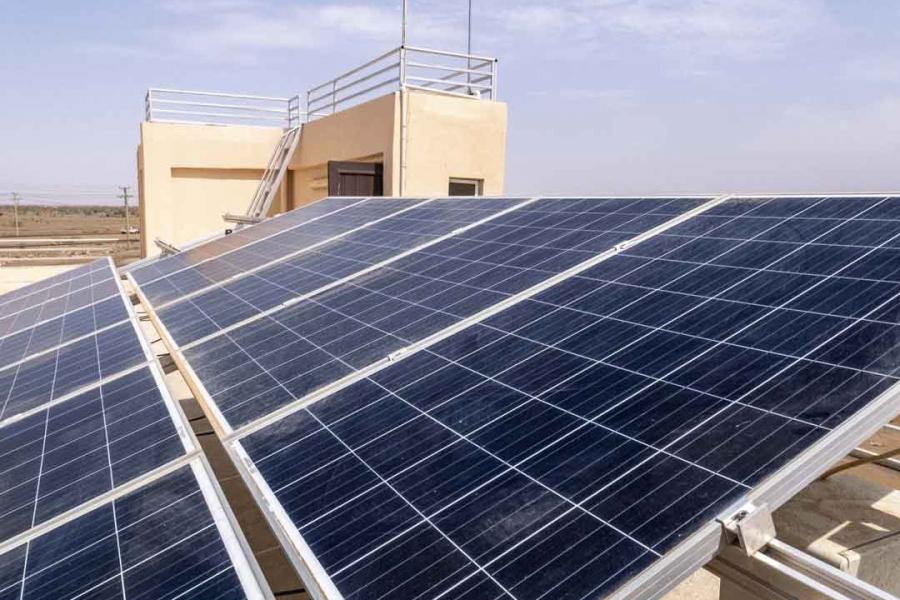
102, 490
559, 401
576, 442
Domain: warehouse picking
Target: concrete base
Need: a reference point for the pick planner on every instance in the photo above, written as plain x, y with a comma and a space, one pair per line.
702, 585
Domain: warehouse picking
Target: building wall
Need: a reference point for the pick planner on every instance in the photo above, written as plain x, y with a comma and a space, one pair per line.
216, 191
190, 175
363, 133
449, 137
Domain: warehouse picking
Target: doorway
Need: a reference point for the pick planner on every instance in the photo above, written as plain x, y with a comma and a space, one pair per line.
355, 178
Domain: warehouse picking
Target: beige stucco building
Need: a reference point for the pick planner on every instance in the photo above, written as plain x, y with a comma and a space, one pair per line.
415, 140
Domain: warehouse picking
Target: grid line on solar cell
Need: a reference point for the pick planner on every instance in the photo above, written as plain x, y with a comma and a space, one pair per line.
172, 524
870, 390
240, 302
224, 267
241, 238
394, 342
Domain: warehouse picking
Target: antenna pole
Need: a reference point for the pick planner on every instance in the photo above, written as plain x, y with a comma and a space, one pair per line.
15, 198
469, 49
124, 196
403, 25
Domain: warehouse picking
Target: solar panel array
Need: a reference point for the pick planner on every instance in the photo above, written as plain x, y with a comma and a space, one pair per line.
545, 400
95, 456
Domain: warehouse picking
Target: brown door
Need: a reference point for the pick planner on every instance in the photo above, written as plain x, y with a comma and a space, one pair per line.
355, 178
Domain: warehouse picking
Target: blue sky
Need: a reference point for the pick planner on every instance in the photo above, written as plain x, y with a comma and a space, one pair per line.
605, 96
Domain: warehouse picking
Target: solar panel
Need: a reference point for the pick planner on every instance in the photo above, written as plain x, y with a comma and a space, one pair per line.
273, 360
168, 538
189, 318
580, 440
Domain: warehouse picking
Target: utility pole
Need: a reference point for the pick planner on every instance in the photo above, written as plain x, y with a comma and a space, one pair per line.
15, 198
124, 196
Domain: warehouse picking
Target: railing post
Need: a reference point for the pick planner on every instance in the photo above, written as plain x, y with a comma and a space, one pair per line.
333, 96
148, 106
495, 71
401, 185
307, 106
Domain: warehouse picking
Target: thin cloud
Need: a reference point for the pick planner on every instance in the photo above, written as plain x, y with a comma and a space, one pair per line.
686, 30
877, 70
246, 30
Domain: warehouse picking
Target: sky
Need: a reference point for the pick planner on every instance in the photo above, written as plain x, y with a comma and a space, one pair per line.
605, 96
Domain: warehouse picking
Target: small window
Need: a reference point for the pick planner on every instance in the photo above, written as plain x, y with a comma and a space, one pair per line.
465, 187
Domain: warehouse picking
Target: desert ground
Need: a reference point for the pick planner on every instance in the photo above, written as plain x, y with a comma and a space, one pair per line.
62, 235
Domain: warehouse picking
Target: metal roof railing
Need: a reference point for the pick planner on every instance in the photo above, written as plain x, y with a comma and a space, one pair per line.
406, 67
216, 108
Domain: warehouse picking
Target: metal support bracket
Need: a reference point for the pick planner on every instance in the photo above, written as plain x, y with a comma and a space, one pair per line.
167, 249
781, 572
752, 526
770, 569
241, 219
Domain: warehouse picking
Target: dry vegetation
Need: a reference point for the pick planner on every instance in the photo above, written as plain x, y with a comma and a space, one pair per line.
63, 226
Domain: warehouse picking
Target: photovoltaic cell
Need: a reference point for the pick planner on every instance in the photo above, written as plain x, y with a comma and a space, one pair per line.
192, 318
267, 363
159, 542
568, 442
221, 267
167, 265
36, 381
57, 459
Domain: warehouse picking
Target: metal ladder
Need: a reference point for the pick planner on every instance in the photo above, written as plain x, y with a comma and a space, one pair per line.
271, 180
